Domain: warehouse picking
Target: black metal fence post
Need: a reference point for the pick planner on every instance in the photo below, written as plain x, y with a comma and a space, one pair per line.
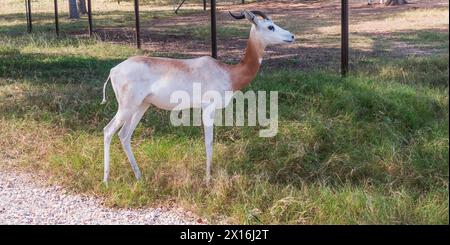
26, 15
204, 5
30, 22
90, 17
213, 29
344, 37
138, 25
56, 18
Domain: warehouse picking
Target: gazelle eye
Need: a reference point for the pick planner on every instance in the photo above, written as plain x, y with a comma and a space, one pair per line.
271, 28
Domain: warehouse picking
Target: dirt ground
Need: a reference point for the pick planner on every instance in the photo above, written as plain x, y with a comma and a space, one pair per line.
316, 25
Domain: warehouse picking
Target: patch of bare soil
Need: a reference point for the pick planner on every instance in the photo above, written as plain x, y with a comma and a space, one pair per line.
313, 48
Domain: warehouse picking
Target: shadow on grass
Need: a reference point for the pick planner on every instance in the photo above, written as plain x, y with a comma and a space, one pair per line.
89, 72
38, 68
354, 130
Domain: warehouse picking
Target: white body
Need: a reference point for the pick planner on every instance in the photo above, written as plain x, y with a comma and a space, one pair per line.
139, 82
155, 83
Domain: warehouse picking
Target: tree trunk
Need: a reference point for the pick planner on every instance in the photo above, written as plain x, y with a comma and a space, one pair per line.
73, 10
395, 2
81, 6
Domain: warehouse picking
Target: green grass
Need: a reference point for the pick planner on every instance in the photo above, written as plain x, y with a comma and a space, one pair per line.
369, 148
418, 41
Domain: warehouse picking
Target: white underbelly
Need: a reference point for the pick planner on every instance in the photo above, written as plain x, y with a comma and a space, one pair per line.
180, 96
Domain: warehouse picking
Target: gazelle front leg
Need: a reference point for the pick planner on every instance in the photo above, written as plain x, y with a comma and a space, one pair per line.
208, 113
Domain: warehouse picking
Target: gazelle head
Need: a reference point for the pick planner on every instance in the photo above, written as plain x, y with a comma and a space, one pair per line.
264, 29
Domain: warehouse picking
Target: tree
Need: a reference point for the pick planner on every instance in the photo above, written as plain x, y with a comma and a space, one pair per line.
81, 6
73, 10
395, 2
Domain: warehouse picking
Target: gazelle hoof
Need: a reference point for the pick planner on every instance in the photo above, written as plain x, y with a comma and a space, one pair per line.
138, 177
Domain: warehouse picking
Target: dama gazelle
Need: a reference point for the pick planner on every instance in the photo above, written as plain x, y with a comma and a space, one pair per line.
139, 82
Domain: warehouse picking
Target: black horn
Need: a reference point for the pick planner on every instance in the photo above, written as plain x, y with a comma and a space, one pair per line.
238, 17
255, 12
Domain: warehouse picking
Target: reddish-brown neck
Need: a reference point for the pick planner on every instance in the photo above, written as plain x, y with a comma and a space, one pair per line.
244, 72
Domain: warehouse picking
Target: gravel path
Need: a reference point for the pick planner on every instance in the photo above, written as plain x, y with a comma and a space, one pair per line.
26, 200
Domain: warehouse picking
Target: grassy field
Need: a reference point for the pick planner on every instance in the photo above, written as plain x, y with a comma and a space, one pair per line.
366, 149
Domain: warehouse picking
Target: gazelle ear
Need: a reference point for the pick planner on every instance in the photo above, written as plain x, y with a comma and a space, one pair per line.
251, 17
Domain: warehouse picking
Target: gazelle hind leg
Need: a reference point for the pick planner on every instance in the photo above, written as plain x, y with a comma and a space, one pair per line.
125, 137
108, 132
